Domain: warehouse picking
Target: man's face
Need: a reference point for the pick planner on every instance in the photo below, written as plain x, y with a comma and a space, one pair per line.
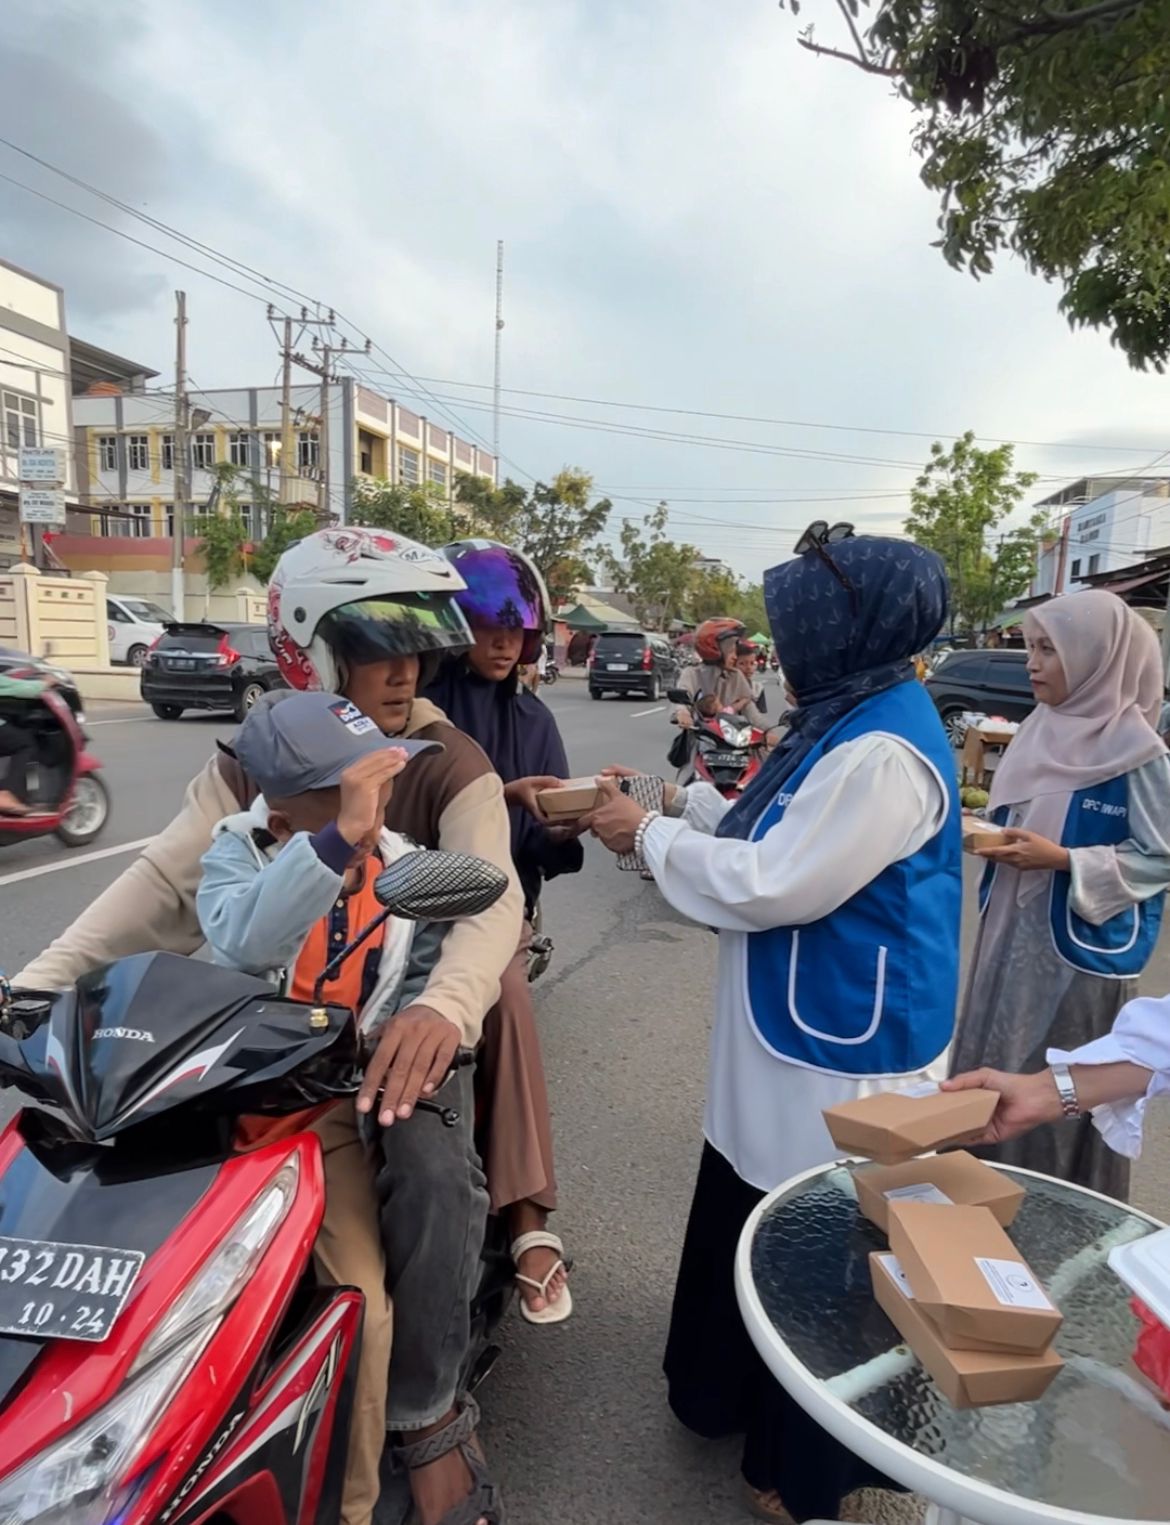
384, 691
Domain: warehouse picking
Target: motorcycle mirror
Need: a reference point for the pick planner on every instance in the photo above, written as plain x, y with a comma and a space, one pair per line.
439, 886
679, 696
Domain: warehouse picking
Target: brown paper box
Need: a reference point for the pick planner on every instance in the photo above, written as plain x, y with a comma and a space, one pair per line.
980, 833
576, 797
958, 1178
968, 1378
969, 1278
892, 1126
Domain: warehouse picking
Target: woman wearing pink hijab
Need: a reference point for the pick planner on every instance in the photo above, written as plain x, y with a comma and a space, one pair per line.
1071, 906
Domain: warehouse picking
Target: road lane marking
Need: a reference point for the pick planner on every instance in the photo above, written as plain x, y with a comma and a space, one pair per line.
657, 710
72, 862
121, 720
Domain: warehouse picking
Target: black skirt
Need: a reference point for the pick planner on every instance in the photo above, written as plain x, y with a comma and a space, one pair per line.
717, 1383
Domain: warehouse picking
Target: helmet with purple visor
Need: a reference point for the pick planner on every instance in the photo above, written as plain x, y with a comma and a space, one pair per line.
504, 591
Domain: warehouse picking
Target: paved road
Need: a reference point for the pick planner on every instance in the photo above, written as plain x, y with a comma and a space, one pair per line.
575, 1422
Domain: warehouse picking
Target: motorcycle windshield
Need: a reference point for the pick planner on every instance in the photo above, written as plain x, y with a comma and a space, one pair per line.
156, 1032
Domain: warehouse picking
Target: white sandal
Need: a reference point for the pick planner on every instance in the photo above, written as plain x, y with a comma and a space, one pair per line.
553, 1312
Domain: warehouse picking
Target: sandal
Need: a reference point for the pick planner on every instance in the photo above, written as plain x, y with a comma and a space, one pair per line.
484, 1501
765, 1504
552, 1313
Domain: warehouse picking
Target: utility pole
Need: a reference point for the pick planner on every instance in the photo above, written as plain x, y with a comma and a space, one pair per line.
290, 355
179, 454
286, 432
499, 331
323, 435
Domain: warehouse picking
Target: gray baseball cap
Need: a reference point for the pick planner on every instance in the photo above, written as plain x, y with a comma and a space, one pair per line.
291, 743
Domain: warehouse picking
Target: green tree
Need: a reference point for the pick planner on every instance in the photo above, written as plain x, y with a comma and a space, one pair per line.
493, 512
286, 525
1044, 126
221, 529
714, 593
959, 507
422, 512
656, 572
556, 523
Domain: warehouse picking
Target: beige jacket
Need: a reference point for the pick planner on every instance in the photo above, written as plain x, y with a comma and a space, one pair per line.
450, 799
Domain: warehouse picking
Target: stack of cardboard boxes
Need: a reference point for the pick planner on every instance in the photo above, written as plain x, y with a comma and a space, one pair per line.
953, 1284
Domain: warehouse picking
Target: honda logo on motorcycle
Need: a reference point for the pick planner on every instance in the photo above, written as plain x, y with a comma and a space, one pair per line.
217, 1446
137, 1034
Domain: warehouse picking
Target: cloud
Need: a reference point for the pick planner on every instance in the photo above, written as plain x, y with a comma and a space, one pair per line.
695, 213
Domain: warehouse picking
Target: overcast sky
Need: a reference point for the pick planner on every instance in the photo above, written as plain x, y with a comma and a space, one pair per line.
696, 215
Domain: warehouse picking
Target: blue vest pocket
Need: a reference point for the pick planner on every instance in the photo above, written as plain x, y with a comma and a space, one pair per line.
869, 967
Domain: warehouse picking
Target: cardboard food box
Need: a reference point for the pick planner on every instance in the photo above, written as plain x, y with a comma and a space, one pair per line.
576, 797
946, 1179
980, 833
892, 1126
982, 748
968, 1378
969, 1278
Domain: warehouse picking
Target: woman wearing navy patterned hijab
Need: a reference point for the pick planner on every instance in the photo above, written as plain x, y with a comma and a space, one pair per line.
834, 884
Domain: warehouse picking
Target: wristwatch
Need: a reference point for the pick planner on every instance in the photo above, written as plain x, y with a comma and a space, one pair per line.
1066, 1089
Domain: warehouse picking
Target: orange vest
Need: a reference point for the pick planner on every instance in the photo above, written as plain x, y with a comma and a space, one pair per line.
350, 913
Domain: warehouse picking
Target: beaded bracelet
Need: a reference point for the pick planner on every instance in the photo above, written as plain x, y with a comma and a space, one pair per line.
640, 833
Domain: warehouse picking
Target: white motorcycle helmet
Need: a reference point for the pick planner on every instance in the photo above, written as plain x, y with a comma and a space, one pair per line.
343, 597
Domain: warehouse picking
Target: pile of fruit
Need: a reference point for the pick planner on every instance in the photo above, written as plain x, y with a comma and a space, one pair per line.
973, 799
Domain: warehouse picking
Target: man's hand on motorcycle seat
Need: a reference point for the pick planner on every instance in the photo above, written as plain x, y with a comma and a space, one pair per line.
413, 1055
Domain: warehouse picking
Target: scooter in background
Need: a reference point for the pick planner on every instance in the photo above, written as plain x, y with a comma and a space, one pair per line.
66, 794
725, 750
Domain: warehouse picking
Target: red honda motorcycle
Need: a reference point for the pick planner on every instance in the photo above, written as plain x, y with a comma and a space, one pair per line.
167, 1355
65, 790
725, 749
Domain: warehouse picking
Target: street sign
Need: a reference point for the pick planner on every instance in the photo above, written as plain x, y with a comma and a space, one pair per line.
42, 465
42, 505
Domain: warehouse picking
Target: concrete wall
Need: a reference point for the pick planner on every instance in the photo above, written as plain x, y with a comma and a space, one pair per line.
60, 618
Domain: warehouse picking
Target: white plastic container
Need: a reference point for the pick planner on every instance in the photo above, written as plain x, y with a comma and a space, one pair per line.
1144, 1267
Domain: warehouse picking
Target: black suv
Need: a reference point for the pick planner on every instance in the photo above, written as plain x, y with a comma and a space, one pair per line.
631, 662
994, 682
208, 667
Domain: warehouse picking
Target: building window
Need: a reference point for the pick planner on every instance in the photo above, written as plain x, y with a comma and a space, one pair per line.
1075, 570
21, 425
272, 451
107, 452
1094, 563
238, 452
138, 452
437, 472
133, 523
408, 466
308, 450
169, 519
168, 452
203, 452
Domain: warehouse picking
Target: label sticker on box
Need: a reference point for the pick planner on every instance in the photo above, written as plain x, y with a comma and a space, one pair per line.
1013, 1284
921, 1191
923, 1088
893, 1266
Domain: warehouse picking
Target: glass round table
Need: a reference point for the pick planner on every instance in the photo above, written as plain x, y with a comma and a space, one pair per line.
1095, 1448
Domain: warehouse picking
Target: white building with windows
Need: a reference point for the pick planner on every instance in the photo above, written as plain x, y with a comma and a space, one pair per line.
1100, 524
35, 403
125, 451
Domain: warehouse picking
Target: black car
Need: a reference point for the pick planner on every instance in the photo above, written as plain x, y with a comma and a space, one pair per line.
993, 682
631, 662
208, 667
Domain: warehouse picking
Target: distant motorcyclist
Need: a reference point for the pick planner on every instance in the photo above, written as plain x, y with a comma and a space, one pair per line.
17, 745
716, 674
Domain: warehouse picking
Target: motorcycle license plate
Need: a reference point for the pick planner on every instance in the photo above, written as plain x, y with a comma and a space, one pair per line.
63, 1291
724, 759
181, 664
618, 667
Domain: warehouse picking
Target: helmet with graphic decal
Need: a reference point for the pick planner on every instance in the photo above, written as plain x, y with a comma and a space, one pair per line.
503, 590
343, 597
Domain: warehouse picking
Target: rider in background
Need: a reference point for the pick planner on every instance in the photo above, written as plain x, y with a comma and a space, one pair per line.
17, 746
507, 607
716, 675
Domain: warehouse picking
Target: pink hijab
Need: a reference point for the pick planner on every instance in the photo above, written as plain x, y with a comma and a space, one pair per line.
1106, 726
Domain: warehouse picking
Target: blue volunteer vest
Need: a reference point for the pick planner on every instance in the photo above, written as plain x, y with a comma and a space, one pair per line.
1120, 948
869, 989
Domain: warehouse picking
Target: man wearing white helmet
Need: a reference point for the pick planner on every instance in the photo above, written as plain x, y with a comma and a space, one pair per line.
364, 614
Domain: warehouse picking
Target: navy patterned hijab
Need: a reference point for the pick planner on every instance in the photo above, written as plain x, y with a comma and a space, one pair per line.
833, 658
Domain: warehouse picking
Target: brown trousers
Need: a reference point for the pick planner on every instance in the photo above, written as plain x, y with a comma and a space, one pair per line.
515, 1130
349, 1253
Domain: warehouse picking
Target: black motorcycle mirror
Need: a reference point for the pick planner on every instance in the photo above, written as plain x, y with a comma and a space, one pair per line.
679, 696
425, 886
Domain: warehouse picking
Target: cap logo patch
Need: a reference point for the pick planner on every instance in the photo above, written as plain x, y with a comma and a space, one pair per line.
352, 718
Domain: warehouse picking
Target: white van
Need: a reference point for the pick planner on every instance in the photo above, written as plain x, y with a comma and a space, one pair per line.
135, 624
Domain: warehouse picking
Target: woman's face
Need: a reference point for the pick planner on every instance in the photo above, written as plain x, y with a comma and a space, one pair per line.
1049, 683
496, 652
